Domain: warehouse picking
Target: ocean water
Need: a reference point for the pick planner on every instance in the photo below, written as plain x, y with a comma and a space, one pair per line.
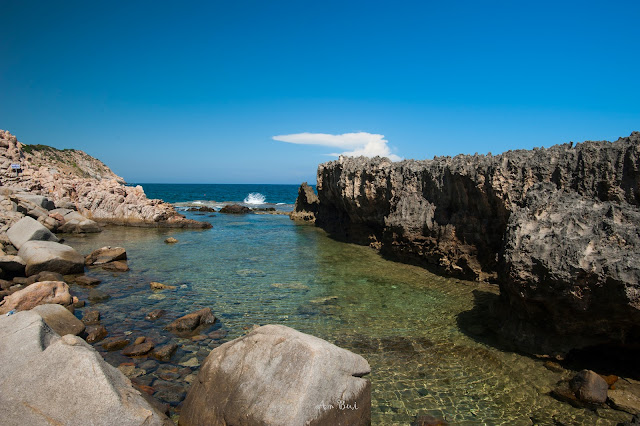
219, 194
266, 269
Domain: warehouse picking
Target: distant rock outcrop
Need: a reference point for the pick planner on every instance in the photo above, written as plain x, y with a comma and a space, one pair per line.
72, 178
306, 206
557, 228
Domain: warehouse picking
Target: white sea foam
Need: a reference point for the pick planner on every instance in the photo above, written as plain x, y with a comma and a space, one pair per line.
255, 198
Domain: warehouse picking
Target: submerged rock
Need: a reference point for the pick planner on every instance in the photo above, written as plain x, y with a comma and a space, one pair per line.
192, 321
159, 286
235, 209
308, 380
164, 353
139, 349
87, 280
171, 240
81, 388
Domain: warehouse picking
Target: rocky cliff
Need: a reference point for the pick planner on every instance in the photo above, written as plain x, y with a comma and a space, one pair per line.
557, 228
72, 178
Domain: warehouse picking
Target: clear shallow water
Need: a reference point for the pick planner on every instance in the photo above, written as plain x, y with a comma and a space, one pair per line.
261, 269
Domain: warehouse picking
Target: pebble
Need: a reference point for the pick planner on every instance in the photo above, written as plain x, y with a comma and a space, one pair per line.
193, 362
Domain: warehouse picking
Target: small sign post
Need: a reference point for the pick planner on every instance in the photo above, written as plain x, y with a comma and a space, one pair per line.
17, 168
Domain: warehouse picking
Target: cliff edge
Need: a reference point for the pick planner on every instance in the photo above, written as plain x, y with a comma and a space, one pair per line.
557, 228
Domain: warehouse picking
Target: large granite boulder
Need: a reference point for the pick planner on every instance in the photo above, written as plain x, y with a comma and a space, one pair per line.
29, 229
276, 375
59, 319
46, 379
40, 293
50, 256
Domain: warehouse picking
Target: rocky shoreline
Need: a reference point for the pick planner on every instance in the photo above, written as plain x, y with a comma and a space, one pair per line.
51, 374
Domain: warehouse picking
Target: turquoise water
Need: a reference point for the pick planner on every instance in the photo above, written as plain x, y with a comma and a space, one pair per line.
264, 269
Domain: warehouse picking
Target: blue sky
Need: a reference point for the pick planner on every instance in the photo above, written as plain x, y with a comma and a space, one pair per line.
194, 92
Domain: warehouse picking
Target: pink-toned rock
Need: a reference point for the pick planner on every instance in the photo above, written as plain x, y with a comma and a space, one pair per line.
105, 255
36, 294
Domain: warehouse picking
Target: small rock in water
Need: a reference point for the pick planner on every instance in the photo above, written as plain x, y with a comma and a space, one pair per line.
105, 255
170, 240
164, 353
157, 296
139, 340
427, 420
138, 350
235, 209
553, 366
131, 371
115, 344
96, 295
91, 317
324, 300
192, 362
589, 387
148, 365
118, 266
291, 286
250, 273
96, 333
159, 286
218, 334
155, 314
87, 280
192, 321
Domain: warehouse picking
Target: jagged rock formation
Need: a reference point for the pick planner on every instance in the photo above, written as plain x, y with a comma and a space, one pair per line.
556, 227
306, 205
73, 179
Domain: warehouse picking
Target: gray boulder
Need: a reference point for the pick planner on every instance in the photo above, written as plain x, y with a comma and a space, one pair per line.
59, 319
38, 200
29, 229
276, 375
46, 379
50, 256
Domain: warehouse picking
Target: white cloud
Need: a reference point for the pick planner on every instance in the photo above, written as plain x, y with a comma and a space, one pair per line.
361, 143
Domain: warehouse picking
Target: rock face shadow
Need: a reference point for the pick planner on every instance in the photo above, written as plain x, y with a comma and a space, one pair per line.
481, 322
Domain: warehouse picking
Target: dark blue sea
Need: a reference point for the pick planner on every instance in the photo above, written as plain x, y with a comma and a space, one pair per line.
214, 194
